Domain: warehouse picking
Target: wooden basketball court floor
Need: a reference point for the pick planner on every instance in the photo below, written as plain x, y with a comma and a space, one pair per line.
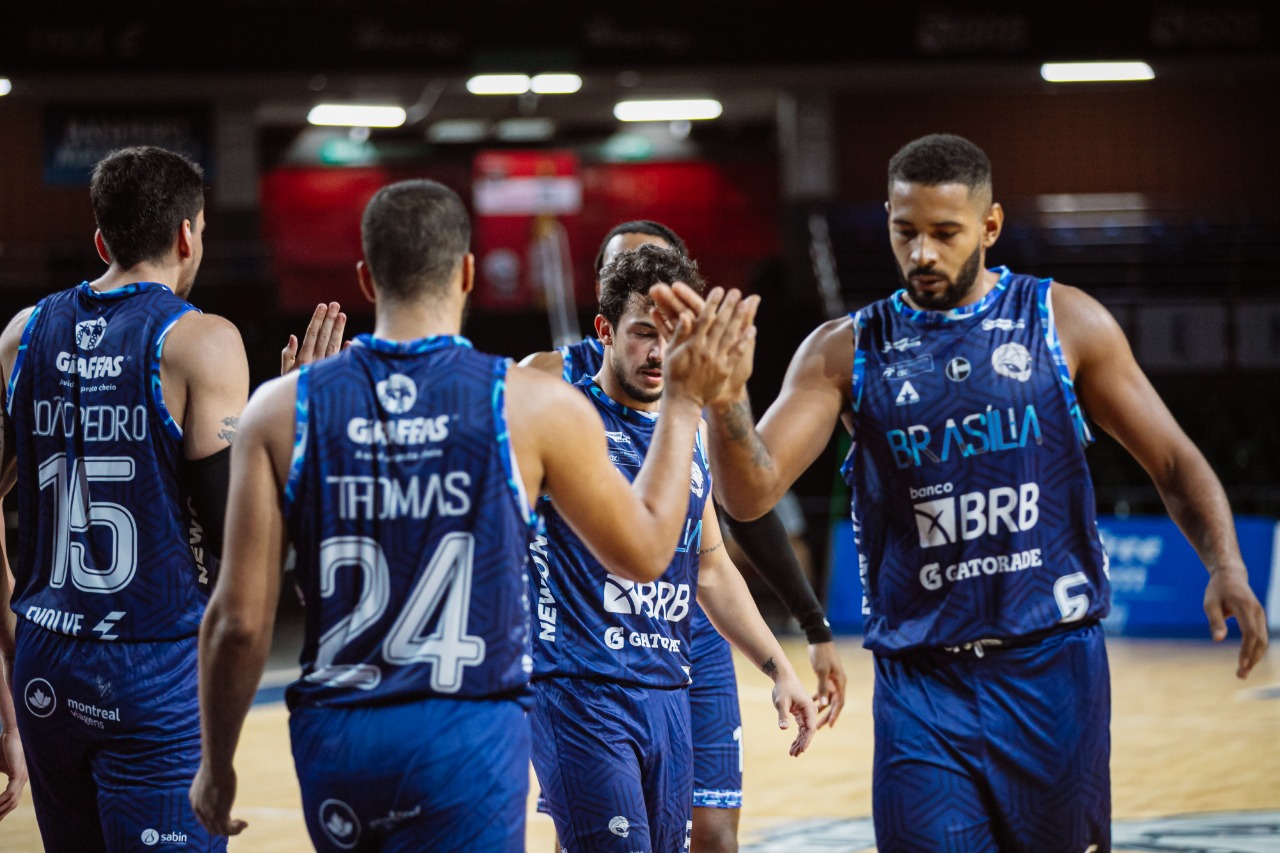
1195, 762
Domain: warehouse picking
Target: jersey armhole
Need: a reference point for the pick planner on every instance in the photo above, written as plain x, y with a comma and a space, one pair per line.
153, 379
301, 424
27, 331
510, 466
1044, 298
855, 393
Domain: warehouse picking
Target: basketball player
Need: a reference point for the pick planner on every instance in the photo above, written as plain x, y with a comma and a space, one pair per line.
984, 578
400, 470
122, 402
612, 745
713, 695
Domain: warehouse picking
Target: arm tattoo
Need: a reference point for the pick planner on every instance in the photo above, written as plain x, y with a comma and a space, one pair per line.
714, 547
770, 668
228, 434
742, 429
738, 421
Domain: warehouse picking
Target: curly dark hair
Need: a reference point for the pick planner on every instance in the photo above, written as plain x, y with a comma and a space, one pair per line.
640, 269
942, 158
141, 196
414, 235
640, 226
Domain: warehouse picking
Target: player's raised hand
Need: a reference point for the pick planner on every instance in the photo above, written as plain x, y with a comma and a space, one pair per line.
670, 302
1228, 594
790, 697
323, 338
829, 699
212, 798
702, 355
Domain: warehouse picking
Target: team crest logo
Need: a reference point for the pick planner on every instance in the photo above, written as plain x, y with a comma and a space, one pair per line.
397, 393
340, 823
620, 826
89, 333
696, 480
958, 369
40, 698
1012, 360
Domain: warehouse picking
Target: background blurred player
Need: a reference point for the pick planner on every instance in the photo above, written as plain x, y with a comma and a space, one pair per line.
983, 573
399, 470
612, 745
713, 696
122, 401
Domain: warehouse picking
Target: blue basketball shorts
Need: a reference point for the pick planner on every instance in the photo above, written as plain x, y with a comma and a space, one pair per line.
433, 774
112, 738
615, 765
1009, 751
716, 721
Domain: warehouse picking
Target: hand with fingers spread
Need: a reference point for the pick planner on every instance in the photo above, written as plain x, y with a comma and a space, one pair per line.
702, 351
829, 699
1228, 594
323, 338
790, 697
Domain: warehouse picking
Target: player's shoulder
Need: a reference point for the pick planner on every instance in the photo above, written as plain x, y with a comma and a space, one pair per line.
833, 337
11, 337
1077, 313
535, 392
272, 402
550, 362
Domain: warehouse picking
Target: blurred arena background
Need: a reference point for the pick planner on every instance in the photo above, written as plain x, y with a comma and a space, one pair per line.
1158, 196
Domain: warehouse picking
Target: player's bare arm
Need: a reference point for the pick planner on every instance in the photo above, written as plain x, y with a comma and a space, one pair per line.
13, 765
205, 378
756, 465
1117, 396
551, 362
724, 596
235, 635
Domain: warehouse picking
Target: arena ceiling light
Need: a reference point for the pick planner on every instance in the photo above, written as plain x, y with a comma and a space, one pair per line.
555, 84
5, 86
1095, 72
693, 109
356, 115
452, 130
498, 84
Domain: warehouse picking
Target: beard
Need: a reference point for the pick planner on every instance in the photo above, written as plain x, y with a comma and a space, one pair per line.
632, 390
951, 295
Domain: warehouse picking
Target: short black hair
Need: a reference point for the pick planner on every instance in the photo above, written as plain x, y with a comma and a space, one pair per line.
141, 196
414, 235
640, 226
640, 269
941, 158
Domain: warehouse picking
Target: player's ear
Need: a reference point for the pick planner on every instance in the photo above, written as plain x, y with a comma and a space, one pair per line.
604, 330
468, 272
992, 224
101, 243
365, 279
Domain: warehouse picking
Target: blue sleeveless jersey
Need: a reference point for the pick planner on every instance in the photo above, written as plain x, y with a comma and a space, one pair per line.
973, 508
590, 623
411, 526
581, 359
106, 549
